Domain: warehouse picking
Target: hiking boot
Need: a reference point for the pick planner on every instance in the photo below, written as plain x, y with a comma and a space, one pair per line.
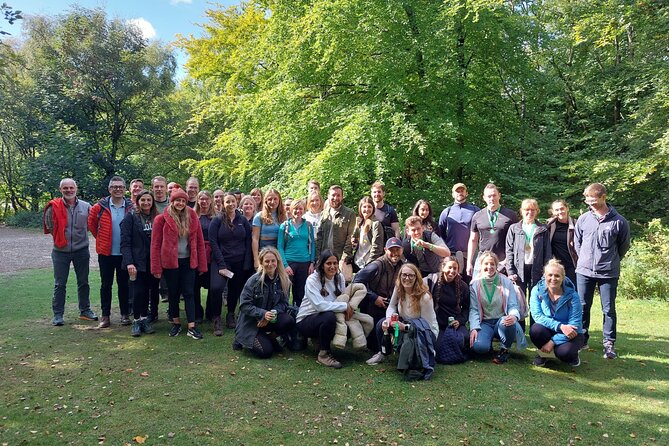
125, 320
378, 358
230, 320
176, 329
218, 326
576, 362
136, 328
194, 333
104, 322
502, 356
88, 315
539, 361
609, 351
328, 360
146, 327
57, 320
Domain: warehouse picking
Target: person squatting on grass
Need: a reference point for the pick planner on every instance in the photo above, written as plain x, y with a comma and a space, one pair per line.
136, 230
558, 313
493, 310
263, 305
177, 251
66, 219
316, 317
411, 300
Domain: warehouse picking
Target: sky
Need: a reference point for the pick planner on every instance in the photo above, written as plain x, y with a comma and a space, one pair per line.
158, 19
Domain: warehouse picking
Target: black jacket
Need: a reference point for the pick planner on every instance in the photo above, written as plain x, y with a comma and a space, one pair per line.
135, 243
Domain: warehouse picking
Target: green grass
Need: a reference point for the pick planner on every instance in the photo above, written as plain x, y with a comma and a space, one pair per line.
77, 385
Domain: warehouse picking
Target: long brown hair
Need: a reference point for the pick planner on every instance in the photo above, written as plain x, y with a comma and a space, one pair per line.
412, 299
212, 207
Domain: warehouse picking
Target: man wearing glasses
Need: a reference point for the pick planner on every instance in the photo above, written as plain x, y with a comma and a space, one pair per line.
104, 222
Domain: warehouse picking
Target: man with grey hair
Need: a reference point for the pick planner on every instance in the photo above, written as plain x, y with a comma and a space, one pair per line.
104, 222
66, 220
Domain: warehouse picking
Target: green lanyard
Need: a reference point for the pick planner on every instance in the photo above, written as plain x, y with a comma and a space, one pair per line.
529, 232
492, 219
490, 293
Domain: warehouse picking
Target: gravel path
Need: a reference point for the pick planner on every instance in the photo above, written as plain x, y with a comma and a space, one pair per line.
23, 249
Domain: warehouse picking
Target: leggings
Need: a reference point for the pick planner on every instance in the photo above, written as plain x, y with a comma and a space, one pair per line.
567, 352
218, 284
181, 281
321, 326
141, 289
263, 347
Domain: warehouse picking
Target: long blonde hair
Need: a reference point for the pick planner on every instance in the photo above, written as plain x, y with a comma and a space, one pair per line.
417, 292
266, 213
280, 270
181, 219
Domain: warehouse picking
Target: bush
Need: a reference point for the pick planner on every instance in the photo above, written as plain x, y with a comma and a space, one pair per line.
25, 219
644, 269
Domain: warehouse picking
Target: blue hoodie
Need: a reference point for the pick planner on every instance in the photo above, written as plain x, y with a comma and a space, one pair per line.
567, 311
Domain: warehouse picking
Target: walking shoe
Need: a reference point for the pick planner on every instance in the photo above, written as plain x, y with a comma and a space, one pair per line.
136, 328
194, 333
151, 318
502, 356
88, 315
176, 329
104, 322
218, 326
576, 362
230, 320
539, 361
57, 320
378, 358
328, 360
146, 327
584, 347
163, 297
125, 320
609, 351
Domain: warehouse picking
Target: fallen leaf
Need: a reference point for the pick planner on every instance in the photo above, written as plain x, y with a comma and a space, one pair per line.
139, 439
144, 374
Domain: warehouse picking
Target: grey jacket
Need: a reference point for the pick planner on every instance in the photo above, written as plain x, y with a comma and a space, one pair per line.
76, 231
256, 299
601, 244
515, 252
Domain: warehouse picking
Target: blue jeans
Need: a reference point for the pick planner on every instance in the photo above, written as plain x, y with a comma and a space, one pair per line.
493, 329
608, 289
61, 271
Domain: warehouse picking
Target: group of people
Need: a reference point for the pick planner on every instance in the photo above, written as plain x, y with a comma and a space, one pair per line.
463, 279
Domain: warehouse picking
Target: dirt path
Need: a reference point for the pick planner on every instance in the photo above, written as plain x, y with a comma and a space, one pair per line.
23, 249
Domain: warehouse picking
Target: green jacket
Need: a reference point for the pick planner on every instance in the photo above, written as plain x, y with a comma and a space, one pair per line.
342, 227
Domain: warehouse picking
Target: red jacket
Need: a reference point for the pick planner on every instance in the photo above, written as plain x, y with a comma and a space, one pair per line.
99, 223
59, 218
165, 243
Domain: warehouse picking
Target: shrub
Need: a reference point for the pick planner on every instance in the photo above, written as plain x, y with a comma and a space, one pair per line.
644, 268
25, 219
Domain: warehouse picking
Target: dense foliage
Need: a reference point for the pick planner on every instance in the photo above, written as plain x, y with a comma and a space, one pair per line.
644, 269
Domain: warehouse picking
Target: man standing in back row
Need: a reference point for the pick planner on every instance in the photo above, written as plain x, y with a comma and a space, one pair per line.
66, 219
455, 224
336, 227
488, 232
601, 239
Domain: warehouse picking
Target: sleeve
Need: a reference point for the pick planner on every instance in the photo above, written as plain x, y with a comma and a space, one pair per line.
216, 253
281, 240
578, 236
538, 313
156, 244
126, 240
623, 238
93, 219
312, 291
510, 254
365, 276
512, 299
436, 240
442, 226
47, 221
256, 220
202, 265
247, 305
427, 313
548, 250
248, 253
393, 215
377, 240
392, 306
464, 304
474, 226
474, 315
312, 245
348, 245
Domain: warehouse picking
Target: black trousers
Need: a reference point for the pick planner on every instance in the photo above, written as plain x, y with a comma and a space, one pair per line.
142, 289
110, 265
181, 281
263, 344
321, 326
567, 352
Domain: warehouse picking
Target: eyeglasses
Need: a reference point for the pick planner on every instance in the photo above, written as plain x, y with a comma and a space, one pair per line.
117, 187
407, 276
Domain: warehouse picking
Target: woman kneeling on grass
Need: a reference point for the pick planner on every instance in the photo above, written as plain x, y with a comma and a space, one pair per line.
411, 300
177, 250
558, 313
316, 318
263, 305
493, 311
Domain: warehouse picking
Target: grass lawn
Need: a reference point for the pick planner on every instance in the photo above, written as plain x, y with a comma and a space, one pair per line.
78, 385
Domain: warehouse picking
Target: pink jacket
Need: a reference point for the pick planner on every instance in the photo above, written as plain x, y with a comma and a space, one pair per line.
165, 243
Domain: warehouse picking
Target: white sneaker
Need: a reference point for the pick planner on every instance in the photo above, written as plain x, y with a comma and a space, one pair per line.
378, 358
